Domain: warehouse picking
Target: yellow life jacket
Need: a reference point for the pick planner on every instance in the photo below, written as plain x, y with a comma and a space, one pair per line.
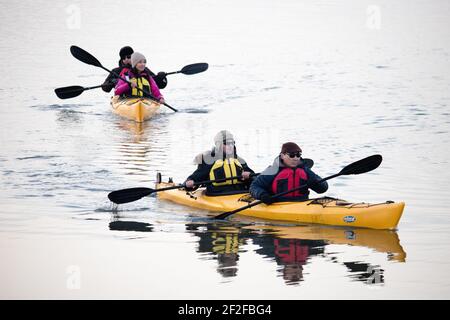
225, 169
143, 84
225, 243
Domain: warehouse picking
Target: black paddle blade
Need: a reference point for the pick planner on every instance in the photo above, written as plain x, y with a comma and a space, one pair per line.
84, 56
129, 195
69, 92
363, 165
194, 68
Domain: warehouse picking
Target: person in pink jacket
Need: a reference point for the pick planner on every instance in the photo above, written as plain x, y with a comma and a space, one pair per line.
139, 78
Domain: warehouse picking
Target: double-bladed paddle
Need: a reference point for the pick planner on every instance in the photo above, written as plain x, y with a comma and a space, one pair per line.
74, 91
88, 58
133, 194
358, 167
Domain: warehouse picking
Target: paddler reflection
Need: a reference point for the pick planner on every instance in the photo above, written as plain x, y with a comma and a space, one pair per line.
223, 242
292, 247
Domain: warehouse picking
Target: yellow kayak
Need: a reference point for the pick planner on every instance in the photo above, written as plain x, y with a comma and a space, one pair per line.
137, 109
325, 210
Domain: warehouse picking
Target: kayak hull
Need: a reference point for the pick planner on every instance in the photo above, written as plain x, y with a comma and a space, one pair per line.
137, 109
326, 211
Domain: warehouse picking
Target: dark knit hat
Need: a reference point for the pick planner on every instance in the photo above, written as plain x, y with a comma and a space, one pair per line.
289, 147
125, 51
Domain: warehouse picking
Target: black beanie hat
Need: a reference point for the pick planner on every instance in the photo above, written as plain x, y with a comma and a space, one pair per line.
125, 51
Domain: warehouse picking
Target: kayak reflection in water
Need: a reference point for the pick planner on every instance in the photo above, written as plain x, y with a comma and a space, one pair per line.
287, 172
139, 78
292, 248
125, 62
221, 162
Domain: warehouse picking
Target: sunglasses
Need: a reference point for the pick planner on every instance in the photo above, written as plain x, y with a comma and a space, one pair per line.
126, 57
229, 142
297, 154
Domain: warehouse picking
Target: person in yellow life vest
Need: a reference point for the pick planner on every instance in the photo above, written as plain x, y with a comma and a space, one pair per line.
221, 162
139, 78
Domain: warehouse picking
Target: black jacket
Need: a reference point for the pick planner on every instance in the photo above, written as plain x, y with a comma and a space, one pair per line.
205, 161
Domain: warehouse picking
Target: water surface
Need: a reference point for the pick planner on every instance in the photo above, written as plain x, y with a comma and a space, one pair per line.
343, 79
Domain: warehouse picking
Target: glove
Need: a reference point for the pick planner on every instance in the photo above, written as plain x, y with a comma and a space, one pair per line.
107, 86
161, 80
266, 198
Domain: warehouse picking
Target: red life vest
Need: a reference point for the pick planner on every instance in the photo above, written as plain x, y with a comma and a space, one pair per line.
290, 178
292, 252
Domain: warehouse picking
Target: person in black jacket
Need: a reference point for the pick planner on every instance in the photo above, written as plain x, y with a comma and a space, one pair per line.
286, 172
221, 162
125, 62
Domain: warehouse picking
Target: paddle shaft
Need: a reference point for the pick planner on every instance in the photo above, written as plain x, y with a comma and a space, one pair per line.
174, 72
202, 182
89, 88
361, 166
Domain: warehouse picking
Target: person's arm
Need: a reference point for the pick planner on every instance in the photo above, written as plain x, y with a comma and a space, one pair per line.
161, 80
109, 83
121, 87
261, 186
155, 90
245, 167
312, 182
201, 174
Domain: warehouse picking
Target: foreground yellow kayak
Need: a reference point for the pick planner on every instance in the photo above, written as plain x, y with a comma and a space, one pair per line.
137, 109
325, 210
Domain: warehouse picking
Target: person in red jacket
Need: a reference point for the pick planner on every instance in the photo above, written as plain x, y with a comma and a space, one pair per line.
287, 172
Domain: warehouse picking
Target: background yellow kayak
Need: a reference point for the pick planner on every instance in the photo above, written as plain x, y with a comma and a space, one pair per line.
137, 109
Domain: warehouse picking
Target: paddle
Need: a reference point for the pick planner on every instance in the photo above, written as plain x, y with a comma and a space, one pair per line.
87, 58
358, 167
133, 194
74, 91
192, 69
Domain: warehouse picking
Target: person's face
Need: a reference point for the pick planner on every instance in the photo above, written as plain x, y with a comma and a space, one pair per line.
291, 159
228, 147
126, 59
141, 65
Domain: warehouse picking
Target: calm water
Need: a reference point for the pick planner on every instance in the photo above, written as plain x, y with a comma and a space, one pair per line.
344, 79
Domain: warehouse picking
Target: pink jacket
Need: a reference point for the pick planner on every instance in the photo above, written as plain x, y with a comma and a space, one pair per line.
123, 87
